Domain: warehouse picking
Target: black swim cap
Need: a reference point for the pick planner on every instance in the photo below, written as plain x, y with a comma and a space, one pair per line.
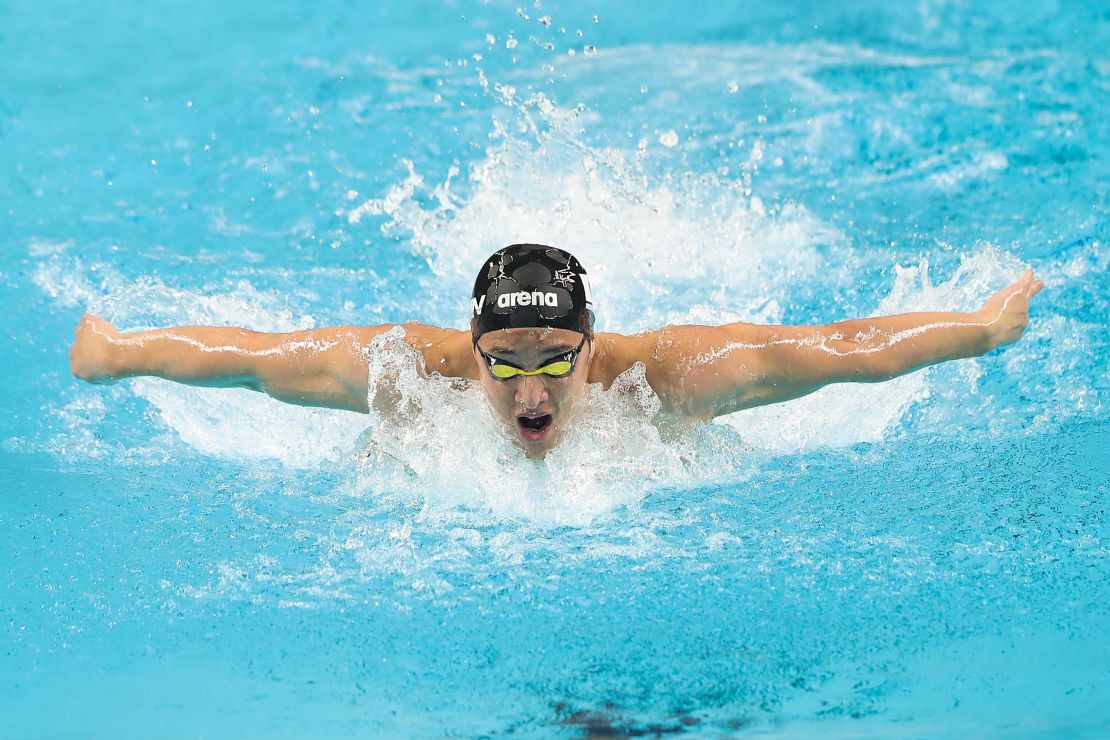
530, 285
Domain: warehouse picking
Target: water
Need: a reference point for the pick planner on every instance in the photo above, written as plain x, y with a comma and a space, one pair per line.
917, 558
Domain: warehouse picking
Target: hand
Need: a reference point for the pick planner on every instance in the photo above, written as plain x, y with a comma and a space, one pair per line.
92, 356
1006, 313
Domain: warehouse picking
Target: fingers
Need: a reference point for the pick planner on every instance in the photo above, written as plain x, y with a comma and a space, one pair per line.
1030, 283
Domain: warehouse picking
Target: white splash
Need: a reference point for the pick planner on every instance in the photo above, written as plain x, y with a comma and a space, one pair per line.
654, 245
660, 248
441, 448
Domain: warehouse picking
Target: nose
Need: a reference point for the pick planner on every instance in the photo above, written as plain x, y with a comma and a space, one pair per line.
531, 392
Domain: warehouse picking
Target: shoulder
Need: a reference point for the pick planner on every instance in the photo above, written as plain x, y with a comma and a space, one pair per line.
687, 365
664, 352
445, 351
667, 348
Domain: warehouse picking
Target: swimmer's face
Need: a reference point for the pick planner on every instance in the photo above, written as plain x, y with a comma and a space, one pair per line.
537, 407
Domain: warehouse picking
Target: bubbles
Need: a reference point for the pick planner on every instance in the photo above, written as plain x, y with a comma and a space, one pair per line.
669, 138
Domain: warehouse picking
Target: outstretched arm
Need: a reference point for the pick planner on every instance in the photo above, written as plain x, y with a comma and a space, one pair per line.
710, 371
319, 367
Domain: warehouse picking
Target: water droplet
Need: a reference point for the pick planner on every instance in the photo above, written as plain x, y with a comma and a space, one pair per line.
491, 39
549, 46
733, 87
352, 194
669, 138
589, 50
595, 19
545, 20
154, 162
643, 89
571, 52
510, 43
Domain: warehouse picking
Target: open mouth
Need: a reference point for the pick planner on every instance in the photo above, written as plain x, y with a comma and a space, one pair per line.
534, 428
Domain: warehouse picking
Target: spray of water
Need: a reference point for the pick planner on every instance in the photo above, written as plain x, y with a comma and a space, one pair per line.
661, 247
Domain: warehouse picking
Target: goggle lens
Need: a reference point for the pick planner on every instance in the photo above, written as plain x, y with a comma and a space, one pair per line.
555, 369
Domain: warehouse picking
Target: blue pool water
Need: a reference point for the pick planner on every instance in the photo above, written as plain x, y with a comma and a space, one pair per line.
924, 557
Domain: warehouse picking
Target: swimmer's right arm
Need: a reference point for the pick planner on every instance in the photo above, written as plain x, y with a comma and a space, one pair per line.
318, 367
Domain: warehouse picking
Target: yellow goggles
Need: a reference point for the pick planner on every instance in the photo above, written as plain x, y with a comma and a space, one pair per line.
556, 367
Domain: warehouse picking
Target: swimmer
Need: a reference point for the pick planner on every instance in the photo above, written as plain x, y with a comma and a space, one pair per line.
532, 348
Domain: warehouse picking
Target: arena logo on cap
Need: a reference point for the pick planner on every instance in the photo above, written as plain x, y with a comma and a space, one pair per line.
524, 298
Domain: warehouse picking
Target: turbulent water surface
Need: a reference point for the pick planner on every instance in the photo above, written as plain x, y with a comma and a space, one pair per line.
922, 557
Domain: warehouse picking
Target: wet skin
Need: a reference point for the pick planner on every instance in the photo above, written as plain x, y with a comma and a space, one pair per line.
697, 372
536, 408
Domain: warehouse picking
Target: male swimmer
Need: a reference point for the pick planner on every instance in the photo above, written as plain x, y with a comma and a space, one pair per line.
532, 348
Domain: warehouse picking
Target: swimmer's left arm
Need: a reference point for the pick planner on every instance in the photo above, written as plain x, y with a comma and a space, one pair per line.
710, 371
